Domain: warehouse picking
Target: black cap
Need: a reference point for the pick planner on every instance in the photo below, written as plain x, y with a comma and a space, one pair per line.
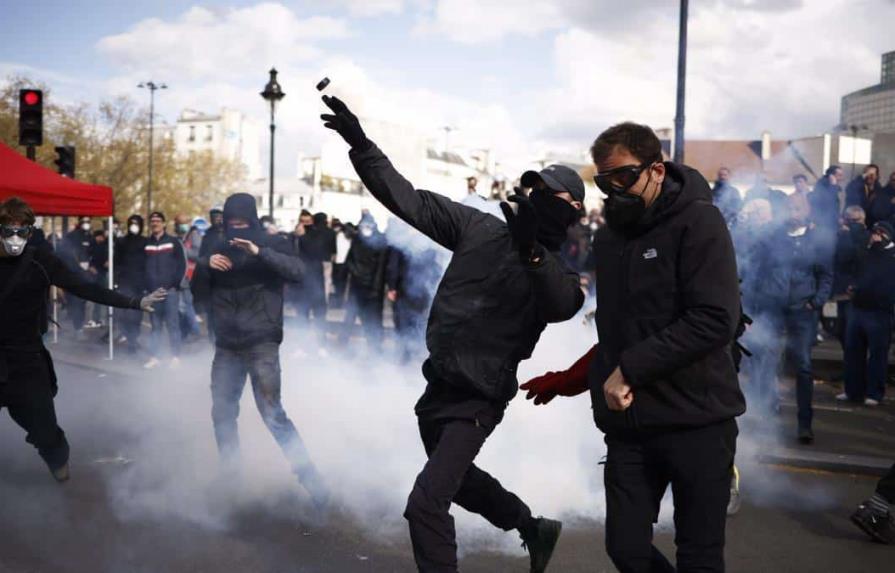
558, 178
158, 214
885, 228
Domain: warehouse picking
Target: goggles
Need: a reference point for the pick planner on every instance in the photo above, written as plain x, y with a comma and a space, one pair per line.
620, 179
7, 231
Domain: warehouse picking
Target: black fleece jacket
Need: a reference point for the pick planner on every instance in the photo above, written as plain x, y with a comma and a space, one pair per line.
490, 307
669, 305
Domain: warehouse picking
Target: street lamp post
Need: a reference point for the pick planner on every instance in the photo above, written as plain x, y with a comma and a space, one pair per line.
272, 93
152, 87
681, 84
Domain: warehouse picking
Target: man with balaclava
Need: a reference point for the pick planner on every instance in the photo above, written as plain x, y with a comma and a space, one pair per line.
27, 379
868, 332
504, 283
366, 262
243, 284
76, 249
663, 382
165, 269
726, 197
130, 271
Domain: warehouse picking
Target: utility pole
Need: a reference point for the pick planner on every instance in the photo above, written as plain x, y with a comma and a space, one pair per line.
681, 85
152, 87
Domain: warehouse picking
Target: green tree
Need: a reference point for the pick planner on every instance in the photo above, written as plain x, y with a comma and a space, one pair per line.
112, 147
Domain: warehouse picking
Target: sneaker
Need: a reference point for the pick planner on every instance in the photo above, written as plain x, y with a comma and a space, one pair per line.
540, 538
151, 363
806, 436
175, 363
733, 506
842, 397
61, 474
878, 526
871, 402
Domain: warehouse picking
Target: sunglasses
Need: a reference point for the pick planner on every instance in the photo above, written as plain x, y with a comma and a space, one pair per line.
620, 179
7, 231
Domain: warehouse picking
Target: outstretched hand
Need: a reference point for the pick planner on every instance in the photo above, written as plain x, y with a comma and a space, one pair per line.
345, 123
523, 223
158, 295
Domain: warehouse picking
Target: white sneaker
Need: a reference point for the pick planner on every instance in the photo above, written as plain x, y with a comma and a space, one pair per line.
175, 363
871, 402
152, 363
842, 397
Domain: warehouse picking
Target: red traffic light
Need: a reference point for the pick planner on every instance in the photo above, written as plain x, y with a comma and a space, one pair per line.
31, 98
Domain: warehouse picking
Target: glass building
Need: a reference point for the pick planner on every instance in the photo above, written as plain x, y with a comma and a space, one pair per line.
873, 109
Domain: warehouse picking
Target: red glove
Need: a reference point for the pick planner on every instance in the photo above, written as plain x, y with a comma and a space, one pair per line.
569, 382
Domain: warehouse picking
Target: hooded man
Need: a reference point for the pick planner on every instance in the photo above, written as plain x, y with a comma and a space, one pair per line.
130, 270
76, 249
243, 285
726, 197
504, 283
366, 263
27, 379
663, 382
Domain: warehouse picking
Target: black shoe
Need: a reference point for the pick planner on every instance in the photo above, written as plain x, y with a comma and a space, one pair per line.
540, 538
879, 527
806, 436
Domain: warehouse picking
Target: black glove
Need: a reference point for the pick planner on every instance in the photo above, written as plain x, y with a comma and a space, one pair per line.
345, 123
523, 224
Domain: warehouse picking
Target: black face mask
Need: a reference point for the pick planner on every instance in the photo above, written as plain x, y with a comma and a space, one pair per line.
624, 209
555, 215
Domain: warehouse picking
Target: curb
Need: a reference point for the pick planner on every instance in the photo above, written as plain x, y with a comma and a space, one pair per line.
837, 463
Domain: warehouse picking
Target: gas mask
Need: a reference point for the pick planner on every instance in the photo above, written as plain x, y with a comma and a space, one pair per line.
623, 209
14, 239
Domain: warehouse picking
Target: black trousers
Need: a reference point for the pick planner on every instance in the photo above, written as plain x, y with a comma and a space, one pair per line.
450, 476
697, 464
886, 486
27, 386
368, 308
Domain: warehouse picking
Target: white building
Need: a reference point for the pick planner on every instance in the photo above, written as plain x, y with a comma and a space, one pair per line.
291, 196
229, 134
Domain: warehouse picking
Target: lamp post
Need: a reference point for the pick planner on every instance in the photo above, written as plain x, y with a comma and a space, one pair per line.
152, 87
681, 85
272, 93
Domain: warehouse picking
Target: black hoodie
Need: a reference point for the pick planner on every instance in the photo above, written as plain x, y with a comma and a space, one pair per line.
247, 301
130, 258
669, 305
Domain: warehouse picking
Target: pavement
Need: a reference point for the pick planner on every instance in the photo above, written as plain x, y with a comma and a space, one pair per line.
796, 499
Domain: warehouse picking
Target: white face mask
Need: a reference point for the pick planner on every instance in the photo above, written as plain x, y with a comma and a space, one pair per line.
85, 226
366, 232
14, 245
134, 229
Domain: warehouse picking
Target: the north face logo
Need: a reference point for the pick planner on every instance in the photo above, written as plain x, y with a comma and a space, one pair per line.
650, 254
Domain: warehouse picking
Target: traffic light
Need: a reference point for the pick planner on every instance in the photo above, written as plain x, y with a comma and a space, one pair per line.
31, 117
65, 163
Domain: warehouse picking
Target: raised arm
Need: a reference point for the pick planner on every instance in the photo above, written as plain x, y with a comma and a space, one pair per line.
434, 215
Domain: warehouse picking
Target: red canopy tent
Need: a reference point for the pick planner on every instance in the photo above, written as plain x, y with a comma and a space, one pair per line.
49, 193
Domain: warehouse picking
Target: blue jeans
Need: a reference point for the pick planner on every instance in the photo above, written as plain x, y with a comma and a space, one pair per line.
166, 316
189, 312
801, 332
261, 362
867, 332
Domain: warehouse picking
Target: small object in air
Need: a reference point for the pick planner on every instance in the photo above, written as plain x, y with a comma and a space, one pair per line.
321, 85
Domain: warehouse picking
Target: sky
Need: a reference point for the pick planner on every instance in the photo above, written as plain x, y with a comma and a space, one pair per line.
522, 77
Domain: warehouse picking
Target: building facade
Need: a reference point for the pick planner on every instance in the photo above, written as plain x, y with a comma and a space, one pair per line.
228, 135
872, 109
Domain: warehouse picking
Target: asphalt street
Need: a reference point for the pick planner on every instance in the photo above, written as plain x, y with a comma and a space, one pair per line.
108, 517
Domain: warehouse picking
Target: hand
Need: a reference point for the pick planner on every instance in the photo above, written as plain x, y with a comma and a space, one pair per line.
220, 263
245, 245
523, 223
619, 395
344, 123
542, 389
158, 295
92, 270
392, 295
300, 230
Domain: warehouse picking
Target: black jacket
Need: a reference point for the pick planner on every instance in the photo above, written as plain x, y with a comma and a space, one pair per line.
669, 305
247, 301
76, 249
874, 287
824, 201
24, 306
728, 200
366, 262
165, 262
490, 307
856, 194
130, 262
850, 246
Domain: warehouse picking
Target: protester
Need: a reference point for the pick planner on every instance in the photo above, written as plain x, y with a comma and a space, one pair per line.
76, 251
316, 247
366, 262
869, 328
865, 192
213, 235
828, 201
576, 248
243, 283
851, 244
99, 268
165, 269
344, 234
503, 285
191, 240
874, 516
130, 271
726, 197
663, 382
28, 382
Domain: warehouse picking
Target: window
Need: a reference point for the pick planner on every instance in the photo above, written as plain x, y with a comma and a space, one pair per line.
192, 136
209, 132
